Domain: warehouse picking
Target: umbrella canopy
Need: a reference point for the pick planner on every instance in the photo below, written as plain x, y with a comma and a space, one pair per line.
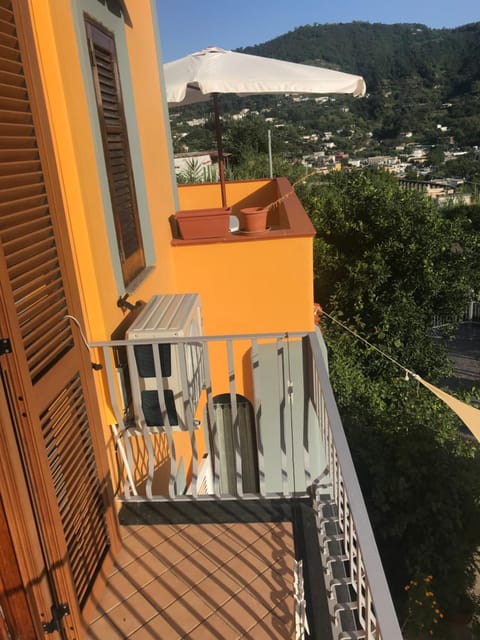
193, 78
212, 71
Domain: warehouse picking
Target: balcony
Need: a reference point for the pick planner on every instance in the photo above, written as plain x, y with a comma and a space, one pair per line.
286, 219
240, 508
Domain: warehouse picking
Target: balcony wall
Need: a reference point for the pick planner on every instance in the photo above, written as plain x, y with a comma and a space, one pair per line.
250, 284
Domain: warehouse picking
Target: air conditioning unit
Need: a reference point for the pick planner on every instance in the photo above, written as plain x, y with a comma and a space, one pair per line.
166, 378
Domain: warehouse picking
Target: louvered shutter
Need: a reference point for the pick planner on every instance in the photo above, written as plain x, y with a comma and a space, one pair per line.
116, 148
37, 289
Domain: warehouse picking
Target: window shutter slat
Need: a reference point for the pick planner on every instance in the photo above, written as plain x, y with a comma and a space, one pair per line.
76, 492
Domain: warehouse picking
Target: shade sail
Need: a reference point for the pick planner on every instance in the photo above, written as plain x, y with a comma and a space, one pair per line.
469, 415
196, 76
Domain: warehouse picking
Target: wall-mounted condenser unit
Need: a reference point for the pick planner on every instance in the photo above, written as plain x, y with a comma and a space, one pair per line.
166, 378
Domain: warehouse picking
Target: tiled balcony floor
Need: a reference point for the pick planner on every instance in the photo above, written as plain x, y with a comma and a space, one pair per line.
200, 581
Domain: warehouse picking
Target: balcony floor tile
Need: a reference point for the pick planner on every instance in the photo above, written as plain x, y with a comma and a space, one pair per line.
222, 581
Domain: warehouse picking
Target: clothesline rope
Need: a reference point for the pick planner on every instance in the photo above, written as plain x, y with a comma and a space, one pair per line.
469, 415
372, 346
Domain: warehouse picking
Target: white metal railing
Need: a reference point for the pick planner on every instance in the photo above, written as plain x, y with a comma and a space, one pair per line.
276, 386
256, 363
471, 313
365, 575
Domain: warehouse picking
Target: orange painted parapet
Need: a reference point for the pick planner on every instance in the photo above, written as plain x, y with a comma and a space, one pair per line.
241, 193
252, 284
250, 287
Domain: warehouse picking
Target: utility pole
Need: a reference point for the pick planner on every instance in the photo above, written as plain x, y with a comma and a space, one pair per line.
270, 163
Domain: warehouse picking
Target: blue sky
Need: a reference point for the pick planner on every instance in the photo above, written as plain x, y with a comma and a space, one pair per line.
190, 25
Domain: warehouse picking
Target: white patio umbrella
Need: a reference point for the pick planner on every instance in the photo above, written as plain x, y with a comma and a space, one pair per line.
207, 73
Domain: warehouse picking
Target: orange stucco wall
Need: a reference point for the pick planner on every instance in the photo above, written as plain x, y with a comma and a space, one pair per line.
59, 45
71, 125
245, 287
243, 193
250, 287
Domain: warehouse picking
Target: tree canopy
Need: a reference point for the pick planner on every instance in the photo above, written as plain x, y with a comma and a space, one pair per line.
386, 261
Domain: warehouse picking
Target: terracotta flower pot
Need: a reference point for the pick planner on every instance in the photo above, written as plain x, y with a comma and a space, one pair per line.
198, 224
253, 219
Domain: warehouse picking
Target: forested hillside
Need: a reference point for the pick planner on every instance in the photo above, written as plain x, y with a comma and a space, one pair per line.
416, 77
423, 87
384, 53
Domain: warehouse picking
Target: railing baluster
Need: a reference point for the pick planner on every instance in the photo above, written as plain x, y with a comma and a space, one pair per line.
129, 485
351, 540
283, 400
149, 434
258, 413
235, 419
212, 422
188, 411
160, 388
307, 372
172, 482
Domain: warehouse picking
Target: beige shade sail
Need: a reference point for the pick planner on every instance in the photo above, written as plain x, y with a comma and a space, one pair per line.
469, 415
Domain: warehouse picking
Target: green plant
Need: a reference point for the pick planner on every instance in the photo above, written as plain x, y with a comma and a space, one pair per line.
192, 172
384, 267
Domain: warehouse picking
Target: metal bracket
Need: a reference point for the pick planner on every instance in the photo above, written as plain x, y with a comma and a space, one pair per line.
123, 303
59, 611
5, 346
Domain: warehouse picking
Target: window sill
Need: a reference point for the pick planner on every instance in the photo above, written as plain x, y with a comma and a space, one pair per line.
138, 280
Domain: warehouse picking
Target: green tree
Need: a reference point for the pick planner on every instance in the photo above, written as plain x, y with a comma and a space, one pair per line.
435, 156
387, 260
249, 134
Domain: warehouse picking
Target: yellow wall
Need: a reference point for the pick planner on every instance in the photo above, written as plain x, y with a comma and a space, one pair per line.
250, 287
73, 137
245, 287
60, 46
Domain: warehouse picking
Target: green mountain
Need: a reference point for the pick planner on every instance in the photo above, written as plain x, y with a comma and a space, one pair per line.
417, 78
383, 52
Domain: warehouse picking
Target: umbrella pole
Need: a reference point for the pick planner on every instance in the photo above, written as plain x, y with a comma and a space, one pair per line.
221, 166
